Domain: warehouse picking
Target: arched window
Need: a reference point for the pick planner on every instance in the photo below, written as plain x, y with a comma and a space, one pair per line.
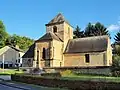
54, 29
44, 52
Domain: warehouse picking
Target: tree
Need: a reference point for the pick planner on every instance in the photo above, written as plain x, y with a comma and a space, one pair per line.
100, 29
78, 33
96, 30
89, 30
22, 41
117, 38
116, 65
3, 35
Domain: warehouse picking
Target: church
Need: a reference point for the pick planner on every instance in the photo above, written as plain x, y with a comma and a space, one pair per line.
57, 48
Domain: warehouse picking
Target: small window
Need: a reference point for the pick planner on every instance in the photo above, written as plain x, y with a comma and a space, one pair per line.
37, 55
87, 58
44, 53
18, 60
19, 54
54, 29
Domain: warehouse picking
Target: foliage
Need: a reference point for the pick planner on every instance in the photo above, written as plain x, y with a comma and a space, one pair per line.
89, 30
78, 33
117, 38
116, 65
6, 39
3, 35
97, 29
23, 42
51, 75
66, 73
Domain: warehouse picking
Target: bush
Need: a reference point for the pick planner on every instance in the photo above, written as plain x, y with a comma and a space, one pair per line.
51, 74
66, 73
116, 66
24, 70
36, 70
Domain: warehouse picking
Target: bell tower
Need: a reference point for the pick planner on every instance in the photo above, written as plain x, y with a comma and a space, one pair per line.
61, 28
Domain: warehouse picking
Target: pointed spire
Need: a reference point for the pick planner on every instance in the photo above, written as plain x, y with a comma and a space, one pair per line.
58, 18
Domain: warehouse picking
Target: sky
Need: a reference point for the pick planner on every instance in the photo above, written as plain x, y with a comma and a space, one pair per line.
28, 17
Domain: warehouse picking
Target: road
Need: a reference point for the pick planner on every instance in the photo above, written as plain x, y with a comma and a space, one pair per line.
10, 85
4, 87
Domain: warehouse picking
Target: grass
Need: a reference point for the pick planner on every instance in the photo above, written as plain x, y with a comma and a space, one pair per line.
91, 78
83, 78
9, 71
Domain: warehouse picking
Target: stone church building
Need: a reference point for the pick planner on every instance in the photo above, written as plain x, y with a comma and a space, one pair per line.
57, 48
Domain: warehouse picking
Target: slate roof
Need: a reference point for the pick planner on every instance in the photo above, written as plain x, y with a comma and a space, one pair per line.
58, 19
30, 52
88, 44
49, 36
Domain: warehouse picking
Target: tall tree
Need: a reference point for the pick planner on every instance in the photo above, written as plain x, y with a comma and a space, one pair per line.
78, 33
117, 38
3, 35
97, 29
100, 29
89, 30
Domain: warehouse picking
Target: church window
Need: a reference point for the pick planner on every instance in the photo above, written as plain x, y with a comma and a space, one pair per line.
44, 53
54, 29
87, 58
37, 57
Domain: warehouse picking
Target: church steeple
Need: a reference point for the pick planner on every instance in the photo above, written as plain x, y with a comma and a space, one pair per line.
59, 18
61, 28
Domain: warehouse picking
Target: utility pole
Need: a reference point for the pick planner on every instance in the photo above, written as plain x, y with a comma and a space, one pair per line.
3, 62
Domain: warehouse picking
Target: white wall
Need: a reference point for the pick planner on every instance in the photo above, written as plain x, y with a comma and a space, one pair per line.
11, 55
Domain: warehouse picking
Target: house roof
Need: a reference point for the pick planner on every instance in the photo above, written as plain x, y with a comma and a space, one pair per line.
57, 19
88, 44
4, 49
30, 52
49, 36
17, 49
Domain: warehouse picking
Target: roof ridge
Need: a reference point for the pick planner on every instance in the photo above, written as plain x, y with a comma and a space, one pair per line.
91, 37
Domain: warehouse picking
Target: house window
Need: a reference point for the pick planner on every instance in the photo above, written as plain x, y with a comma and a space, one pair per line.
19, 54
18, 60
44, 53
87, 58
54, 29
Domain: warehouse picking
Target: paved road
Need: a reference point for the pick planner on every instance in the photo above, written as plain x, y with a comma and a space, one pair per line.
9, 85
4, 87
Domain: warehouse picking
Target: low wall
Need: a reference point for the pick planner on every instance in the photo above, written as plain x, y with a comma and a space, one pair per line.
70, 84
100, 70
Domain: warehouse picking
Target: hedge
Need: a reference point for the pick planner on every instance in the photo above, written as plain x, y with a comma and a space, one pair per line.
70, 84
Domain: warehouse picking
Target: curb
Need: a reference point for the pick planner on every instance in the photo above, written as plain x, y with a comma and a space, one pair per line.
10, 85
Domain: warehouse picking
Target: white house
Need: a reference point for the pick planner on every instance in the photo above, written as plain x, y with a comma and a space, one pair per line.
10, 56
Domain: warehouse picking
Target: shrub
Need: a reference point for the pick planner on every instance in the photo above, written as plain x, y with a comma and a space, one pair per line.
36, 70
24, 70
51, 74
66, 73
116, 66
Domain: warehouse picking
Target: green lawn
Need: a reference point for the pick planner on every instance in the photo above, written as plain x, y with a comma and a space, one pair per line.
9, 71
91, 78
